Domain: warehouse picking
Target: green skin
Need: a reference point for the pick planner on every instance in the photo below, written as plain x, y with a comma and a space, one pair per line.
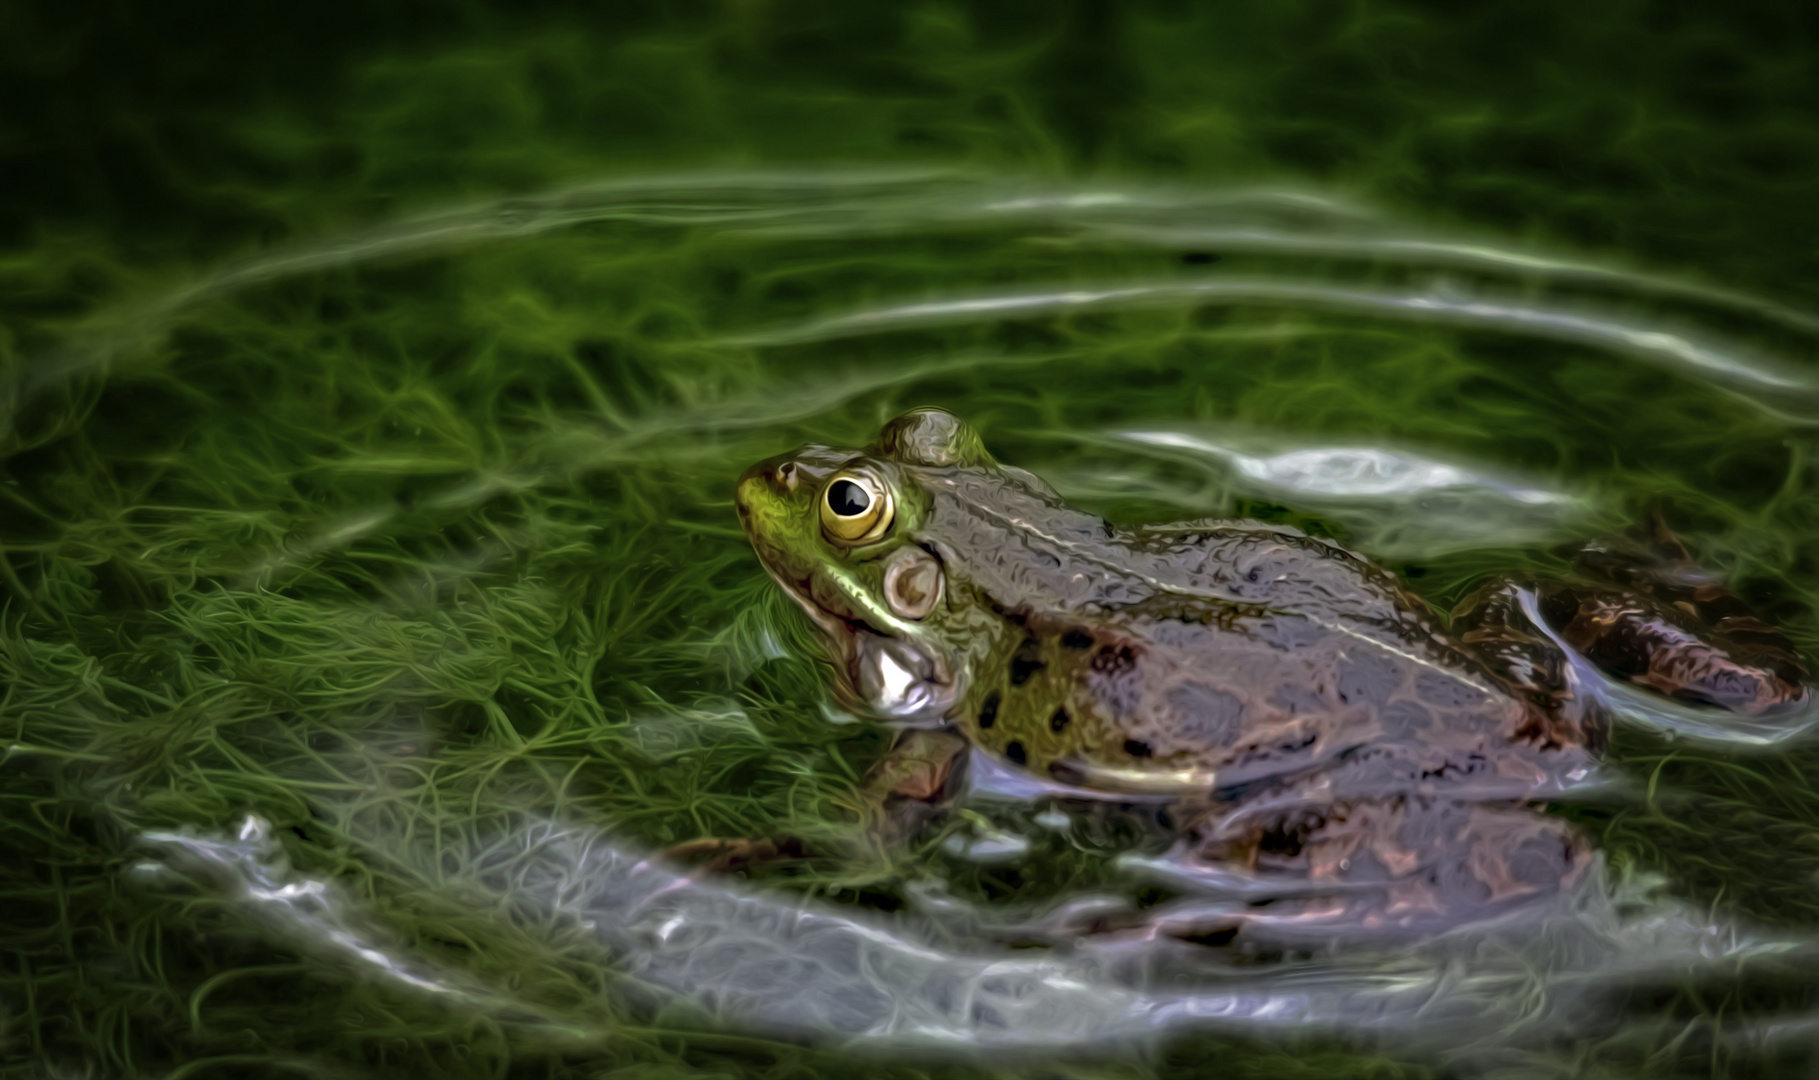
1314, 720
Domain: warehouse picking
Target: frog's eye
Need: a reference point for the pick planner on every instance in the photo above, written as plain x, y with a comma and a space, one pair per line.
855, 508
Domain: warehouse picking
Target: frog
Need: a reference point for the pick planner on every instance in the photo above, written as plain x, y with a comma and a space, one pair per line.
1335, 755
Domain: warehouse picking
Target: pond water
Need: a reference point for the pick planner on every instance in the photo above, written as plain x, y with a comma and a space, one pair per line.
375, 604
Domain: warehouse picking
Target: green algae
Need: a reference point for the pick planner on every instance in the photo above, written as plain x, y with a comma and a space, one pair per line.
464, 507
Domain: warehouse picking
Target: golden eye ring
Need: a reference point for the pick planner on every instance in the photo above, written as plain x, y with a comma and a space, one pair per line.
856, 508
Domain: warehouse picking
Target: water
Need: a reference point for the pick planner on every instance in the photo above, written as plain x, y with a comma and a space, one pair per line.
375, 604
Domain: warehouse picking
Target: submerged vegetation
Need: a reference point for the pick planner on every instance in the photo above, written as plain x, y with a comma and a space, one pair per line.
368, 459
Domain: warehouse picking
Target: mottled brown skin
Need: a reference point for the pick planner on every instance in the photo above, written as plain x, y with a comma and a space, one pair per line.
1320, 727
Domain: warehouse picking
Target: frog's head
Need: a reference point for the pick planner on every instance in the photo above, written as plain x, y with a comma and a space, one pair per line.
839, 531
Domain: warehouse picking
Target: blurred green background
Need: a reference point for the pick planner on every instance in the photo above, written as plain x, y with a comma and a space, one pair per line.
472, 506
1677, 134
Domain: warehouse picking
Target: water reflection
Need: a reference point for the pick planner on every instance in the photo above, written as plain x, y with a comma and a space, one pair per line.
1397, 504
1496, 989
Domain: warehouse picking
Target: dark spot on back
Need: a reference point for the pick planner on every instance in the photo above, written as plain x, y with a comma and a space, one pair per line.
1026, 662
1022, 668
1110, 660
988, 711
1136, 748
1077, 639
1058, 722
1014, 751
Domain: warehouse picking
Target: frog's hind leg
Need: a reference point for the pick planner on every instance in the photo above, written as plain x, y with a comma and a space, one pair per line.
1493, 624
1645, 612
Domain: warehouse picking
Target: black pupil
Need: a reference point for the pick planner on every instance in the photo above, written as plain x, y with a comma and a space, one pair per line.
847, 498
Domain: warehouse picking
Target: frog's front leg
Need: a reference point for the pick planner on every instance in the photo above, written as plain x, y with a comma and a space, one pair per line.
901, 792
909, 785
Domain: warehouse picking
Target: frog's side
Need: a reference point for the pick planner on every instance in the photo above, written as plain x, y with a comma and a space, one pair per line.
1319, 727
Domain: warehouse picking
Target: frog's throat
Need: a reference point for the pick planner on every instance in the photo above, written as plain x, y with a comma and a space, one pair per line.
896, 680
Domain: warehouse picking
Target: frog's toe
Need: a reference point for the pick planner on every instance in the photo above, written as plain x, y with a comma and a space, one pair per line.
1704, 676
716, 855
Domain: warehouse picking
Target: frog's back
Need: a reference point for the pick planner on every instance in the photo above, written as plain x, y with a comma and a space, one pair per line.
1014, 539
1210, 654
